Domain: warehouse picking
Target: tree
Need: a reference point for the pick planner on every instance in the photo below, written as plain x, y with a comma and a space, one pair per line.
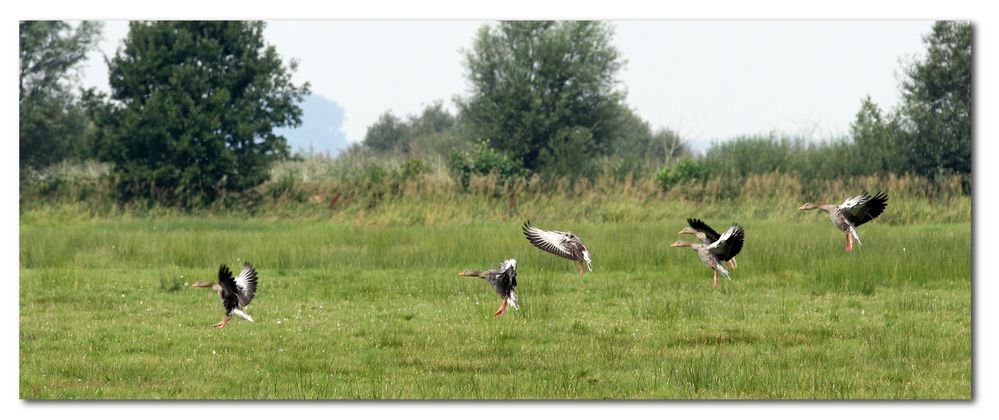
544, 91
878, 136
434, 119
52, 123
636, 141
936, 104
433, 130
388, 134
193, 110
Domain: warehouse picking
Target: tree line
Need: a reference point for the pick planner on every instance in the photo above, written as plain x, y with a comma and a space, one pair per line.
193, 105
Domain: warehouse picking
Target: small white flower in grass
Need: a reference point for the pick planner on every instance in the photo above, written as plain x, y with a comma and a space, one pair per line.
213, 352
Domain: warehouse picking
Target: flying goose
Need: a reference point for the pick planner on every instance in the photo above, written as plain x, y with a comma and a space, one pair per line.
236, 293
854, 212
725, 248
705, 234
503, 279
563, 244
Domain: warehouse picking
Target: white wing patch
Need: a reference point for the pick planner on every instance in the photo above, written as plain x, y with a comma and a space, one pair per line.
549, 241
243, 279
553, 238
724, 237
589, 262
507, 264
852, 202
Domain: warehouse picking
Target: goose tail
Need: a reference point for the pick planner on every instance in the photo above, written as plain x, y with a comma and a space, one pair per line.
512, 300
239, 312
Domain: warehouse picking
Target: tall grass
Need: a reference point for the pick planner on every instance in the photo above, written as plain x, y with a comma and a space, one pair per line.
362, 189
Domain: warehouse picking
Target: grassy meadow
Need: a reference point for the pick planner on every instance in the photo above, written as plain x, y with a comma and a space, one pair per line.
365, 311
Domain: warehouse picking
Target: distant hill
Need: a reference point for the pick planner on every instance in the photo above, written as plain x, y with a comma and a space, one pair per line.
321, 130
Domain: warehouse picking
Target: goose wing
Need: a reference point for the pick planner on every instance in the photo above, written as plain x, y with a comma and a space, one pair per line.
709, 234
550, 241
228, 293
246, 284
729, 244
863, 208
509, 271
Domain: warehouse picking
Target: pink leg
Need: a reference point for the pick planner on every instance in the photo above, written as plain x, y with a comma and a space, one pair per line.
502, 308
714, 281
581, 268
849, 243
222, 322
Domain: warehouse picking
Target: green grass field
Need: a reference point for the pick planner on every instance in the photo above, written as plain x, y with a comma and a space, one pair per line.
348, 311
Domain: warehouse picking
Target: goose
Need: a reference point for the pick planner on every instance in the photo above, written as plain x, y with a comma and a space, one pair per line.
705, 234
563, 244
236, 293
725, 248
854, 212
504, 280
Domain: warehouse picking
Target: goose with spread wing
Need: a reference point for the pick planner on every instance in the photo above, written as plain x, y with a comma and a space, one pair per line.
235, 293
714, 254
563, 244
854, 212
705, 234
503, 279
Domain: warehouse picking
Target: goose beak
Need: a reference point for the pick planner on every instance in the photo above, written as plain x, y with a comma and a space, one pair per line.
802, 207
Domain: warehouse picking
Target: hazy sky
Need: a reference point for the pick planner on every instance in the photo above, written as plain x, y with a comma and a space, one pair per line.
709, 80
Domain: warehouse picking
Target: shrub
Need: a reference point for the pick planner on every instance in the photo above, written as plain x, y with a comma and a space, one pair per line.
485, 161
683, 171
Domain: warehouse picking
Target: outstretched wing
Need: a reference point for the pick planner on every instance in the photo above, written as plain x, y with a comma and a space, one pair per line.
709, 234
863, 208
547, 240
729, 244
229, 293
246, 283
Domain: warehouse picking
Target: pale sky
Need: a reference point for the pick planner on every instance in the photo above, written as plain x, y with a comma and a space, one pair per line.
708, 80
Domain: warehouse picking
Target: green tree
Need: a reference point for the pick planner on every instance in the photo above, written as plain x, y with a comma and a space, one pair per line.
434, 119
879, 139
388, 134
544, 91
936, 105
52, 123
192, 111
